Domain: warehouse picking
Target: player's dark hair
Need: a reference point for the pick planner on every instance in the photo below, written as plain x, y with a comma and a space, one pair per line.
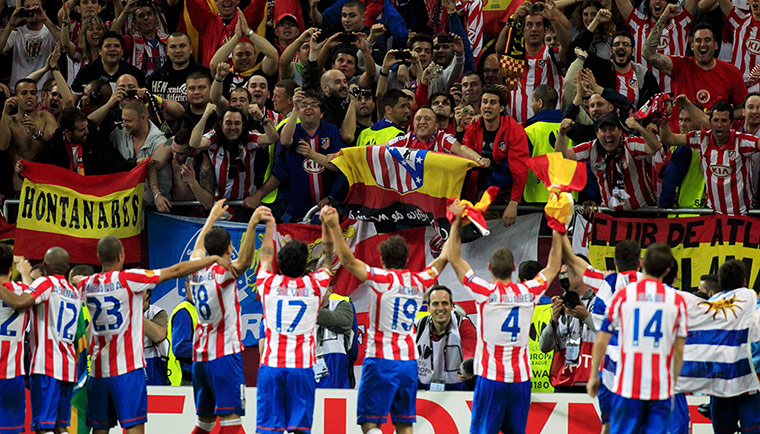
27, 81
80, 270
627, 255
182, 137
669, 278
528, 270
657, 259
6, 259
702, 26
502, 263
711, 283
446, 95
109, 249
420, 37
347, 50
440, 288
217, 241
293, 258
722, 106
732, 274
493, 90
625, 34
392, 96
110, 35
547, 94
394, 252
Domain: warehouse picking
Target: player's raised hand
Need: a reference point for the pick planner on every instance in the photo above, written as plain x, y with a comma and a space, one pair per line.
218, 209
263, 214
329, 216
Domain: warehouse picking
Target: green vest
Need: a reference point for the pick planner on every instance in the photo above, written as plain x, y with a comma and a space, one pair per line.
272, 149
692, 190
369, 137
539, 133
174, 370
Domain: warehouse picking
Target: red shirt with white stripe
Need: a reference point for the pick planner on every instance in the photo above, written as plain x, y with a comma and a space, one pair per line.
440, 141
539, 69
54, 324
394, 300
290, 308
673, 41
234, 180
746, 49
115, 302
504, 314
216, 301
727, 170
636, 172
628, 85
12, 327
649, 316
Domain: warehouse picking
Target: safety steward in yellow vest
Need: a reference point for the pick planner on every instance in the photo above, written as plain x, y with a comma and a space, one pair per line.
180, 332
397, 111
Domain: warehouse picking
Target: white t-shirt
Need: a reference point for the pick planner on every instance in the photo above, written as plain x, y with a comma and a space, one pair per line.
31, 49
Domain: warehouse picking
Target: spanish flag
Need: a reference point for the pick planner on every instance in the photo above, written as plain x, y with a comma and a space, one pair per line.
7, 231
400, 185
560, 176
62, 208
475, 214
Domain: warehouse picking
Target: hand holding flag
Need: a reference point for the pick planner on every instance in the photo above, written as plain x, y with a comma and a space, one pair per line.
560, 176
474, 214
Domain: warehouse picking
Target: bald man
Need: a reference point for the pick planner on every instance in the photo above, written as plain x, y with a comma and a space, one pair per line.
492, 71
55, 306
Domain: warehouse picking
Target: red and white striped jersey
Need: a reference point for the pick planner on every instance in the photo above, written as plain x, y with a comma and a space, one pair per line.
13, 324
394, 300
234, 179
746, 49
290, 308
440, 141
673, 41
648, 316
216, 301
628, 85
539, 69
115, 301
54, 324
727, 170
636, 172
504, 314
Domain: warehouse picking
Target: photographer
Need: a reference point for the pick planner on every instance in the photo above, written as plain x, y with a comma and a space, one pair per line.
570, 334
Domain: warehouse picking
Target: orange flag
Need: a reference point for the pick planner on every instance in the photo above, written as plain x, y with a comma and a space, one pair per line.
560, 176
475, 214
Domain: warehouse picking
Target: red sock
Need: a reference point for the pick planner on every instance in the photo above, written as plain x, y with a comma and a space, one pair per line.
199, 430
231, 429
204, 427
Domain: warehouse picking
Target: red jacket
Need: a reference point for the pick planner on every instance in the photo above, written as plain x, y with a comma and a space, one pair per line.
510, 144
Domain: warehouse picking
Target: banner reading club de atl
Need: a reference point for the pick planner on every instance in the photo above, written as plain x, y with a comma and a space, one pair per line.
59, 207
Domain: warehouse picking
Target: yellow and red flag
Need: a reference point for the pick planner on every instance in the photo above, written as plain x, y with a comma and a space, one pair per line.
62, 208
475, 214
560, 176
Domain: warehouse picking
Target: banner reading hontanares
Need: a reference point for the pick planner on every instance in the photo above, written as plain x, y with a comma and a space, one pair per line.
59, 207
700, 244
400, 185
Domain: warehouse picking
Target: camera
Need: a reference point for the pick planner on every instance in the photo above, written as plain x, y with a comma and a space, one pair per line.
131, 94
536, 8
358, 91
436, 70
570, 299
346, 38
144, 3
26, 13
404, 56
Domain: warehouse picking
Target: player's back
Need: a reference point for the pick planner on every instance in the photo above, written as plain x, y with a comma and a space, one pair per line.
395, 298
217, 333
504, 315
115, 301
290, 307
649, 317
12, 327
54, 323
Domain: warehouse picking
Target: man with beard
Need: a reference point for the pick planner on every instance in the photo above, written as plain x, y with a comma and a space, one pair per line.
335, 91
619, 162
542, 64
77, 146
232, 147
32, 39
671, 39
25, 132
745, 27
630, 79
599, 101
191, 172
726, 159
146, 47
397, 110
170, 81
109, 65
502, 142
702, 78
304, 160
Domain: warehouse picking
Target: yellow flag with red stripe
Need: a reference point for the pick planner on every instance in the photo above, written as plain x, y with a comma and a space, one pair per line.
560, 176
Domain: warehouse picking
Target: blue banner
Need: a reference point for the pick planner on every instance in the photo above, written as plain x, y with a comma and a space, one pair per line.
171, 240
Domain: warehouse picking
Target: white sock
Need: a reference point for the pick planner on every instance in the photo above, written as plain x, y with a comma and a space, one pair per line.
374, 431
230, 422
206, 426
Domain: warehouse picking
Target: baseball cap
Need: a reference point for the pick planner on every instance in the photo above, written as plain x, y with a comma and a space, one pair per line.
285, 15
608, 118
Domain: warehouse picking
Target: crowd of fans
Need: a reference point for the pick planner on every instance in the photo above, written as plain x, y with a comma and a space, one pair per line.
255, 106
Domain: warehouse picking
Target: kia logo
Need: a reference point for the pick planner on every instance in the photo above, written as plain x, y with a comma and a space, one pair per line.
721, 171
753, 46
312, 166
664, 42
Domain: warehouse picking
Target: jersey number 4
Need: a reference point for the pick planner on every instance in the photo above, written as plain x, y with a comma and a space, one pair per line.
652, 330
512, 323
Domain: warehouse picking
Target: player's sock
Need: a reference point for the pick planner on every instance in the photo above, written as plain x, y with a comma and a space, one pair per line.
231, 426
203, 427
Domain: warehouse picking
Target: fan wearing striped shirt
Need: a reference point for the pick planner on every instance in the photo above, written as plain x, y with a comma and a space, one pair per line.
505, 309
218, 383
650, 318
287, 383
389, 373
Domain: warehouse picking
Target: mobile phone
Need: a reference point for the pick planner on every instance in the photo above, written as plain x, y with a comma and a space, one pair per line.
346, 38
26, 13
404, 56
